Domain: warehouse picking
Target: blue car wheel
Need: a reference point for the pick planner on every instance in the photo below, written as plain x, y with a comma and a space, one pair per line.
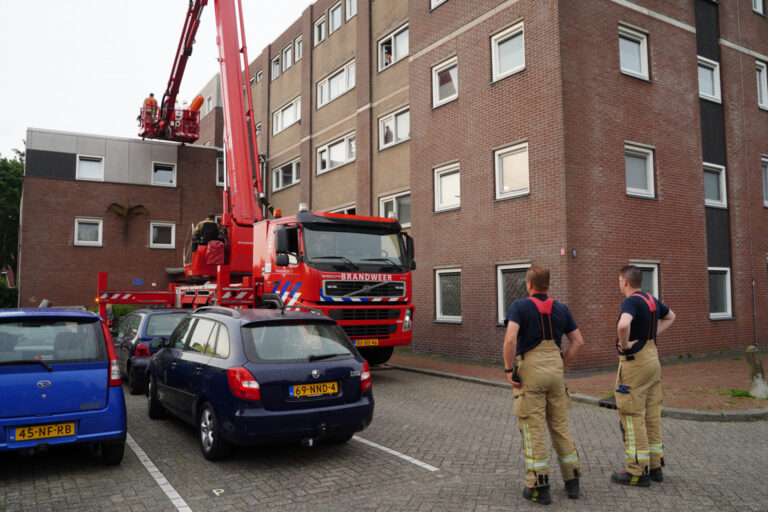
214, 447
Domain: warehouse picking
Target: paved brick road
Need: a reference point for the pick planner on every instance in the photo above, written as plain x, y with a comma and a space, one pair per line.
465, 429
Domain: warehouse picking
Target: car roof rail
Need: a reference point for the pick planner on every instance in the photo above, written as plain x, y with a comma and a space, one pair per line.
219, 309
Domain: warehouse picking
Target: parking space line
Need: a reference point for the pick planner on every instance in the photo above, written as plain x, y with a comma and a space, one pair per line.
397, 454
167, 488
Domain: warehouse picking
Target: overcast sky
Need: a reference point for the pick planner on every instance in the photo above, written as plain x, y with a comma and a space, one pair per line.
86, 66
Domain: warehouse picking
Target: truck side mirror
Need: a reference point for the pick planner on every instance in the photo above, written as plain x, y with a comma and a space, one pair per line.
282, 245
410, 250
281, 259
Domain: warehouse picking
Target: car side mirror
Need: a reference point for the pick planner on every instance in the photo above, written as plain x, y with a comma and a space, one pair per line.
281, 259
158, 343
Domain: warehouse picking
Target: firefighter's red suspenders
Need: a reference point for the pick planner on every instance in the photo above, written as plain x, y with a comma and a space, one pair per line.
648, 299
545, 316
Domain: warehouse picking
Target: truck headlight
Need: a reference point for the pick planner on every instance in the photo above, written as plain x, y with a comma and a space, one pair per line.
408, 320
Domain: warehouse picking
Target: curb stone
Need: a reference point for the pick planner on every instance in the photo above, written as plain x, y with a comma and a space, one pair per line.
666, 412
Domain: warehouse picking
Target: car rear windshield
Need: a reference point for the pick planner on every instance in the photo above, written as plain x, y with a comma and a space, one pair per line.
52, 340
163, 324
286, 342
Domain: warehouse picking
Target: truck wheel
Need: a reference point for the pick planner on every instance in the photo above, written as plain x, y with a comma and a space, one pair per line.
376, 356
112, 454
214, 447
155, 409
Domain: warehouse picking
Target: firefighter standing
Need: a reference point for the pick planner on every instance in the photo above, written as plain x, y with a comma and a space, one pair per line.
638, 380
534, 367
150, 106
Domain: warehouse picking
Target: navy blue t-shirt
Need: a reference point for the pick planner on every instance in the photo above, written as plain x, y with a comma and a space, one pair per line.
524, 313
641, 319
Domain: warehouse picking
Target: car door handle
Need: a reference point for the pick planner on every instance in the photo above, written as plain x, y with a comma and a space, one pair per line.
198, 370
172, 365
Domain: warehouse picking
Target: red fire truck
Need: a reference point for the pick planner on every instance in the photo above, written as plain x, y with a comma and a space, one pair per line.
355, 269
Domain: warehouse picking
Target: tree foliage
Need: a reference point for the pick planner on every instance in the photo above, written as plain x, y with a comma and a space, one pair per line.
11, 174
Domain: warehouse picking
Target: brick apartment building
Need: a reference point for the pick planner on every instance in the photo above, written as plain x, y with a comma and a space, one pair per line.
581, 135
67, 234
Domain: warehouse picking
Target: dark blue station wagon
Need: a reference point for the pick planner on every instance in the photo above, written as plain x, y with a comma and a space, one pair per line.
260, 376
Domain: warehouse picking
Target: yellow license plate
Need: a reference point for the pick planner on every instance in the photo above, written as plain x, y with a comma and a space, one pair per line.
371, 342
20, 434
316, 389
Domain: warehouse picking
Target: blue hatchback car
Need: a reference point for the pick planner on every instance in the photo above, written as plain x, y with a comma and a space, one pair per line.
60, 382
260, 376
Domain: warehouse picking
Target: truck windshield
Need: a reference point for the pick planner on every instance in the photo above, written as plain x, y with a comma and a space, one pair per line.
353, 247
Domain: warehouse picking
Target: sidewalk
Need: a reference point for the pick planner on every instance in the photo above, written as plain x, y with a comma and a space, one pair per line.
700, 389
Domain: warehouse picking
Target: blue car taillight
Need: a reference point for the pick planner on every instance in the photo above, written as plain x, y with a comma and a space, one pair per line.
243, 384
142, 350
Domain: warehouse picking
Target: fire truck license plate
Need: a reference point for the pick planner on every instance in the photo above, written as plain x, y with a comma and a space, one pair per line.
41, 432
317, 389
370, 342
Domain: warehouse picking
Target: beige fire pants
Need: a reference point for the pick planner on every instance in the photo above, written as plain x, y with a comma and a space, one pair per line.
542, 401
640, 408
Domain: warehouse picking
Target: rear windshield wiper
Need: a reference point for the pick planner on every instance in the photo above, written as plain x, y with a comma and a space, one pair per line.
27, 361
325, 356
345, 260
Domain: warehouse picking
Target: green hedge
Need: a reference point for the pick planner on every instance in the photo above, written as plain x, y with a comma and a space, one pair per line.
9, 297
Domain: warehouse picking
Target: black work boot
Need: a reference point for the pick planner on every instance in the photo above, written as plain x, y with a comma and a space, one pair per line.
572, 488
657, 475
624, 478
538, 494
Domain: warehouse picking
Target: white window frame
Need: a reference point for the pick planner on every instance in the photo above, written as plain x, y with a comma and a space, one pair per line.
172, 184
252, 80
277, 175
259, 76
287, 56
326, 148
504, 35
153, 245
647, 152
723, 203
348, 70
278, 121
715, 67
298, 49
434, 3
350, 9
439, 173
393, 117
436, 70
257, 129
91, 158
331, 29
498, 171
728, 313
209, 103
438, 304
653, 267
391, 39
89, 220
758, 6
319, 24
502, 313
639, 37
761, 72
274, 69
393, 198
346, 210
764, 171
220, 165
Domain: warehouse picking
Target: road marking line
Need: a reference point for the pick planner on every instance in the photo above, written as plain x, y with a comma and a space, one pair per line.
397, 454
167, 488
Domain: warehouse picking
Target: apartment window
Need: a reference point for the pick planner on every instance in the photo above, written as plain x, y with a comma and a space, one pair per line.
285, 175
320, 31
351, 8
258, 128
347, 210
252, 80
163, 174
709, 79
508, 52
448, 294
762, 85
394, 128
714, 185
334, 18
88, 232
162, 235
650, 283
398, 206
512, 174
90, 168
299, 48
335, 154
335, 85
638, 164
393, 47
445, 82
209, 104
287, 57
447, 187
758, 7
286, 116
259, 76
510, 286
719, 292
220, 172
633, 52
765, 181
435, 3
